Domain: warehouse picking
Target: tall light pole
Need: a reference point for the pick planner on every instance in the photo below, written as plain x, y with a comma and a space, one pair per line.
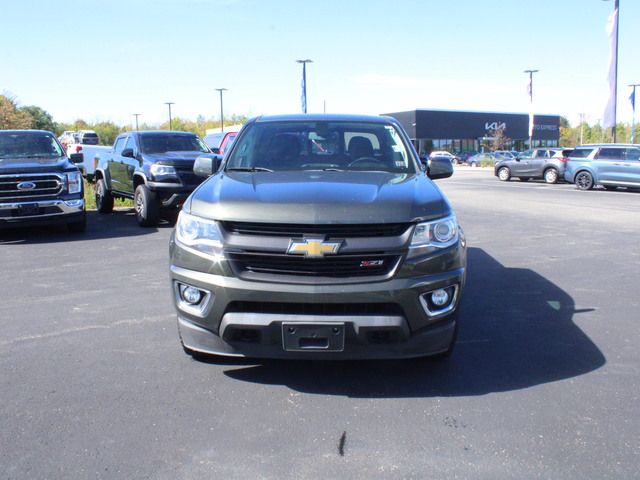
531, 72
304, 83
633, 112
169, 105
136, 115
581, 128
221, 111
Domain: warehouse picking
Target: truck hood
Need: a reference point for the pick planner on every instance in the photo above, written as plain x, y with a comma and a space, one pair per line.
173, 158
34, 165
319, 197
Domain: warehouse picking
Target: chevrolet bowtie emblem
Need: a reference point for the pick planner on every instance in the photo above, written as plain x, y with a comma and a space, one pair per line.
313, 247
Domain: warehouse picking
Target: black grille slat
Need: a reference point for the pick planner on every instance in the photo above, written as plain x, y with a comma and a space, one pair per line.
187, 177
328, 230
333, 266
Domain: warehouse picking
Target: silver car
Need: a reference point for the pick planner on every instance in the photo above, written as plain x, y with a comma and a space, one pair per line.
538, 163
610, 165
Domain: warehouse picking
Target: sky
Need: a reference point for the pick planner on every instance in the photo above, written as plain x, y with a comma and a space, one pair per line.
105, 60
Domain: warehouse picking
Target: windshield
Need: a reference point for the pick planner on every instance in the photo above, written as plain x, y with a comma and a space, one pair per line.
321, 145
161, 143
29, 145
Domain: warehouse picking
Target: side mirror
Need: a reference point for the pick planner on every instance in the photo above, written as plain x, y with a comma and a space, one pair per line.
76, 158
215, 150
206, 166
439, 169
127, 152
517, 159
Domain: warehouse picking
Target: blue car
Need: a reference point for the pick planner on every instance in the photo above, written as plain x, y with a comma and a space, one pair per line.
610, 165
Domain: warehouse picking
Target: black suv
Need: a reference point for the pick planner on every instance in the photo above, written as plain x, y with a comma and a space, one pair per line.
38, 183
154, 168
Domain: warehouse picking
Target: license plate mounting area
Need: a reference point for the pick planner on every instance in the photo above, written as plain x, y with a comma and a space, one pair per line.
314, 337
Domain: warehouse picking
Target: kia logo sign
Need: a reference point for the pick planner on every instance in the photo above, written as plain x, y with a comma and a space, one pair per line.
495, 125
26, 186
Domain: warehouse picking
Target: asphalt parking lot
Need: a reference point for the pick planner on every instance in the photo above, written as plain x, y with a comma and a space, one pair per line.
544, 382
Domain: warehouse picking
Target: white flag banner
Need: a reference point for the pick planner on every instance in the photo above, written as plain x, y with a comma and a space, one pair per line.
530, 93
610, 109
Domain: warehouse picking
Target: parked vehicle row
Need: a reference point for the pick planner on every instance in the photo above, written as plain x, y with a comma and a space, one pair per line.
321, 236
609, 165
82, 137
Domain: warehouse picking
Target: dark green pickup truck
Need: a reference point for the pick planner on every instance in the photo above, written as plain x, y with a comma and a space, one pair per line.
154, 168
319, 237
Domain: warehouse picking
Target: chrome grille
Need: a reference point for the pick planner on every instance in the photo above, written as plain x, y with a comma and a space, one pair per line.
45, 185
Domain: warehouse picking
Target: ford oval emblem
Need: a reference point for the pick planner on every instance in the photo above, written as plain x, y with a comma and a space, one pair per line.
26, 186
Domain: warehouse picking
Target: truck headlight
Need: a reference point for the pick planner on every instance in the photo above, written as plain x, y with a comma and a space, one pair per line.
162, 170
74, 182
438, 233
199, 233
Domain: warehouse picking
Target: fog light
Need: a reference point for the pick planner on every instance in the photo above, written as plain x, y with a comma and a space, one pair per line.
191, 295
440, 297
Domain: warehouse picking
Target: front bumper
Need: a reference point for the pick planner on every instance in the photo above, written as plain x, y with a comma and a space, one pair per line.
379, 320
56, 211
172, 195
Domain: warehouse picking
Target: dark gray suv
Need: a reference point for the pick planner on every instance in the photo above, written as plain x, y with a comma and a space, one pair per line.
609, 165
320, 236
538, 163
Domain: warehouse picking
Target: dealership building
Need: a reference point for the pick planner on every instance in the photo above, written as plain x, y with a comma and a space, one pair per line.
457, 131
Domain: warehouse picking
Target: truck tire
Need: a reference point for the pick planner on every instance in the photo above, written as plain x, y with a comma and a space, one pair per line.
104, 200
146, 205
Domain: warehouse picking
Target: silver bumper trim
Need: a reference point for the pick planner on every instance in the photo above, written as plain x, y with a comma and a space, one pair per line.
65, 207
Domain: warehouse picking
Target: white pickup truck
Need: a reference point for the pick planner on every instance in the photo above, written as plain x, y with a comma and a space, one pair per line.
91, 156
85, 142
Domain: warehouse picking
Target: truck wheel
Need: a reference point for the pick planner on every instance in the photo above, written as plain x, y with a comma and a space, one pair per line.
104, 200
145, 203
79, 226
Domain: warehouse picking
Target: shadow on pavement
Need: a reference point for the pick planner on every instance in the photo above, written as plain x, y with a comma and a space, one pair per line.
516, 331
120, 223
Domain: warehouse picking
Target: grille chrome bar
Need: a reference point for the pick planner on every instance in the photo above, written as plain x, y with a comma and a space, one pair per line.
46, 185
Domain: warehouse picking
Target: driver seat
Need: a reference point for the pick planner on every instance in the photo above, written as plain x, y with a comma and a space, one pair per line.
360, 147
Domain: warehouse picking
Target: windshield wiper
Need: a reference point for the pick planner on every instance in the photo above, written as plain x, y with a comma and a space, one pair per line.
249, 169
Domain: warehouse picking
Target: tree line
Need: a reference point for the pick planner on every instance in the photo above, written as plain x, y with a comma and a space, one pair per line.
31, 116
13, 116
596, 133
